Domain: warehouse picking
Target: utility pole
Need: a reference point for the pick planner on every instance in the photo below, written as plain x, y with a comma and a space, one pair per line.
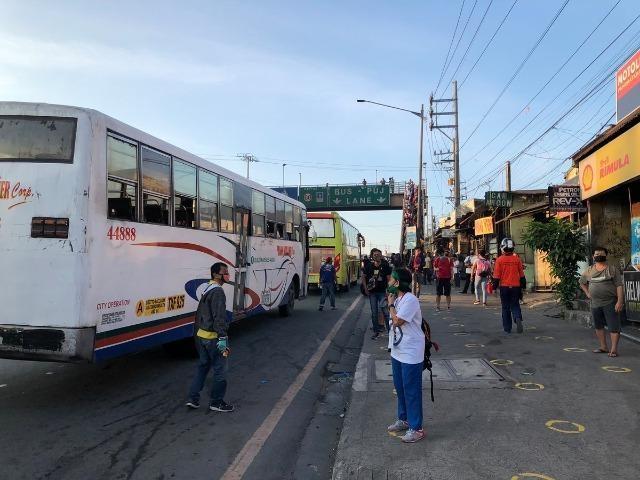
420, 212
456, 147
508, 175
247, 157
283, 165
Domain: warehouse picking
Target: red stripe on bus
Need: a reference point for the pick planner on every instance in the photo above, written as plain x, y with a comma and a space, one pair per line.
319, 215
124, 337
187, 246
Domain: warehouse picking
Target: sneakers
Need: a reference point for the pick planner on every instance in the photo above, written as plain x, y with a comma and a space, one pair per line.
193, 404
375, 335
412, 436
398, 425
221, 407
477, 302
519, 328
485, 304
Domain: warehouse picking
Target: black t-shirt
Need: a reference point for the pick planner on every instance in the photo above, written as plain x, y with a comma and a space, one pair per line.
377, 276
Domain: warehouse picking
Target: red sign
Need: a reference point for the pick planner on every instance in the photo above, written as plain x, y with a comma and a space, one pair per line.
628, 76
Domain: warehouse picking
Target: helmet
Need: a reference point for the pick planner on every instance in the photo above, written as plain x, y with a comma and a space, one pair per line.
507, 245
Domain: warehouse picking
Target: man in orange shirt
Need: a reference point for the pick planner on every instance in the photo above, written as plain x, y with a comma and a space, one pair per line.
509, 275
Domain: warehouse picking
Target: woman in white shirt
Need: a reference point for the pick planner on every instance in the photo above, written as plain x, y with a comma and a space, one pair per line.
407, 344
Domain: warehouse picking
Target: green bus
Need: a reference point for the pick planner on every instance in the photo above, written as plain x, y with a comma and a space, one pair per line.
330, 235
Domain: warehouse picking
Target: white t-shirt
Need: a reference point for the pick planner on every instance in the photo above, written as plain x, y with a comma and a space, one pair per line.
409, 337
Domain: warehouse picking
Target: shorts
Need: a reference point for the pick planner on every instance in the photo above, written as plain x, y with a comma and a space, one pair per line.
443, 287
608, 316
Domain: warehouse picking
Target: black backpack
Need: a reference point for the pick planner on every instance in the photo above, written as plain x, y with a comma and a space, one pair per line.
428, 344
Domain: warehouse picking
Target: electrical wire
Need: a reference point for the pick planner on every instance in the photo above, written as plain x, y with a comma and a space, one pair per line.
450, 45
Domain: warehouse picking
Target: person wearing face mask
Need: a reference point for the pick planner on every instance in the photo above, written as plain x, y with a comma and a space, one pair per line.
602, 284
375, 276
407, 343
211, 342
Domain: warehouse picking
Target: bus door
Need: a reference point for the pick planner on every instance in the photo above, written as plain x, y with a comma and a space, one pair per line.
242, 229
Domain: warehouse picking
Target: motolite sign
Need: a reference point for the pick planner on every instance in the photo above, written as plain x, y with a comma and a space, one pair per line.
628, 87
565, 198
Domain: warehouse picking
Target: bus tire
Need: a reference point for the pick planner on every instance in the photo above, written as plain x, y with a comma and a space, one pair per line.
287, 309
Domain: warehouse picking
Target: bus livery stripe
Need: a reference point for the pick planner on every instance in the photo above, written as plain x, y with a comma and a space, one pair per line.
167, 324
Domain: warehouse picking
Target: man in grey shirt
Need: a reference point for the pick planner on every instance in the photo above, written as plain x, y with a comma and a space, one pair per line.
602, 283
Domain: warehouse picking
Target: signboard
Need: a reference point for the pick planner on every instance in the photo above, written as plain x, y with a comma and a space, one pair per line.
448, 233
349, 197
291, 192
631, 282
611, 165
498, 199
628, 87
635, 235
410, 243
565, 198
484, 226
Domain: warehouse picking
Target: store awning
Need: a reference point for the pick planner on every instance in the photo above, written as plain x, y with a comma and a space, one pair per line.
535, 208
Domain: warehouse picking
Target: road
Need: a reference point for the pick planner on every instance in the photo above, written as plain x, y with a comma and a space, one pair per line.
127, 419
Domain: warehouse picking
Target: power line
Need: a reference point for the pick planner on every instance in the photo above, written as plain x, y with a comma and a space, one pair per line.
515, 74
450, 44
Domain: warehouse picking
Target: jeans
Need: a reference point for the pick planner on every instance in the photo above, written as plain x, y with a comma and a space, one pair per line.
377, 302
481, 283
456, 279
510, 299
328, 289
407, 380
210, 357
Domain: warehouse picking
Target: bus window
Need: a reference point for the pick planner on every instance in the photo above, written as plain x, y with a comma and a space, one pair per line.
184, 200
279, 218
288, 215
208, 201
122, 183
323, 227
37, 139
270, 209
258, 211
226, 205
156, 186
297, 219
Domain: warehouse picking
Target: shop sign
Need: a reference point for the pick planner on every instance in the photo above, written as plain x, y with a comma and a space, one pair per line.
631, 282
484, 226
628, 87
448, 233
498, 199
565, 198
635, 235
611, 165
411, 238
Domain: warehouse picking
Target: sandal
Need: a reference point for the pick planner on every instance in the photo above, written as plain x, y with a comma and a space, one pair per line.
600, 350
613, 354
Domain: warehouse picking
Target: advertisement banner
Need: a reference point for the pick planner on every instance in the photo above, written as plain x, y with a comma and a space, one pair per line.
565, 198
628, 87
411, 238
611, 165
631, 282
635, 235
484, 226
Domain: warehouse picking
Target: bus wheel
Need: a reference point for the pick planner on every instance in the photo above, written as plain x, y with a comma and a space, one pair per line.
287, 309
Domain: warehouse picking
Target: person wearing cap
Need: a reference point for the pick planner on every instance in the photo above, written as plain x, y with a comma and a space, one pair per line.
508, 274
327, 283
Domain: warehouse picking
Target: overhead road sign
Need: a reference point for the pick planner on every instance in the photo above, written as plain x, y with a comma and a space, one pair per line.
347, 197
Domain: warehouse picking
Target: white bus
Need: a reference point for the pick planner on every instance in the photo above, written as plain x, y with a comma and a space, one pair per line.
107, 236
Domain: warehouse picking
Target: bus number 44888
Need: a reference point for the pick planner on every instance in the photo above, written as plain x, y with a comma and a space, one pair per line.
121, 233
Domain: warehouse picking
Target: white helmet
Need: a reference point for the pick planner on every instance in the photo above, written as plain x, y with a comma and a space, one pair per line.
507, 245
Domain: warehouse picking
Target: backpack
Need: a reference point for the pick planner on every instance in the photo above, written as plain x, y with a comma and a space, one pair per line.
428, 344
483, 268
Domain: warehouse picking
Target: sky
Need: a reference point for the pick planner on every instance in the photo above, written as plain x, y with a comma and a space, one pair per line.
280, 79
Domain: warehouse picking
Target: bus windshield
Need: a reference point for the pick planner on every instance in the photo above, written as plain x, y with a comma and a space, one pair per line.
323, 227
37, 139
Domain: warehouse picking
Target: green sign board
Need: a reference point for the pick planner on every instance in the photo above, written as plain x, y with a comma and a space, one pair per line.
346, 197
498, 199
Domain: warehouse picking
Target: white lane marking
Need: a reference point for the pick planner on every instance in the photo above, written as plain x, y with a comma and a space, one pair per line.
360, 377
253, 446
3, 385
49, 373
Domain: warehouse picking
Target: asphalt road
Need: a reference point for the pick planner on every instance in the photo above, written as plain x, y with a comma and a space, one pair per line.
127, 419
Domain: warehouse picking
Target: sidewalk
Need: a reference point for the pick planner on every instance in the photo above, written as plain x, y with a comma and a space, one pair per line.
482, 426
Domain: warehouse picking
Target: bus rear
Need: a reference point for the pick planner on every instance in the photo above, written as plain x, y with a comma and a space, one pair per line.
45, 153
324, 241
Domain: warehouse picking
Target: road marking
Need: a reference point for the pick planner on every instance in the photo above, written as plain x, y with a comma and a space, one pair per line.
3, 385
530, 328
543, 337
456, 324
49, 373
574, 349
474, 345
460, 334
252, 448
551, 426
521, 476
532, 387
360, 377
500, 361
610, 368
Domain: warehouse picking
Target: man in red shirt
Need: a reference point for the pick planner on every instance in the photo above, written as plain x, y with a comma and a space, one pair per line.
508, 273
443, 266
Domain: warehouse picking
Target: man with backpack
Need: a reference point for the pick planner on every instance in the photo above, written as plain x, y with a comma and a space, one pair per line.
481, 272
443, 266
508, 274
211, 342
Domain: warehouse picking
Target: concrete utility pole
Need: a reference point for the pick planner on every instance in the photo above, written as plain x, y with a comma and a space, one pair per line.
247, 157
456, 147
508, 177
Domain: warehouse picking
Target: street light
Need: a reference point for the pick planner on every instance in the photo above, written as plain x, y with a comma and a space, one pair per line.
420, 115
283, 165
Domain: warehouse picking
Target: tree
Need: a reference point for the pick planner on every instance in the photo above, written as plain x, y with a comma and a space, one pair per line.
564, 245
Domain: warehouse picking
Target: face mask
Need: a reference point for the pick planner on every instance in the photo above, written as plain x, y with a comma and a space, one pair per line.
600, 258
392, 289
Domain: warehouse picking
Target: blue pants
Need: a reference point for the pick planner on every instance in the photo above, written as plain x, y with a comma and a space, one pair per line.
377, 302
210, 357
327, 289
407, 380
510, 299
